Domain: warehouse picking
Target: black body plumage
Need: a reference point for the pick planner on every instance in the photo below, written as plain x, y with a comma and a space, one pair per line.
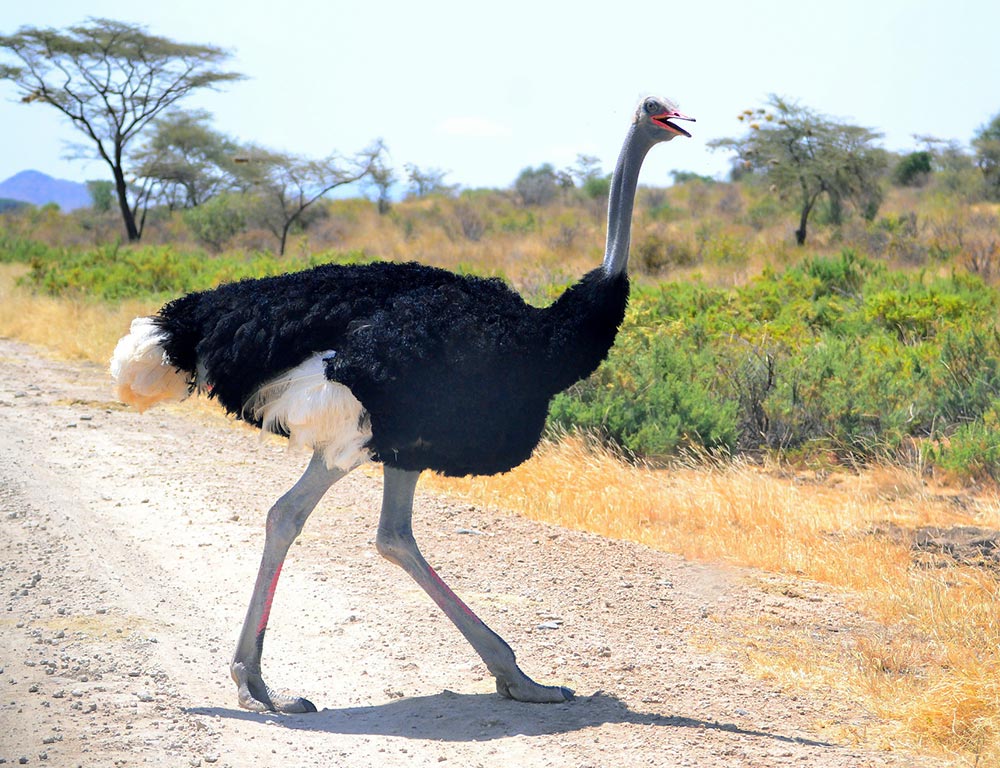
456, 372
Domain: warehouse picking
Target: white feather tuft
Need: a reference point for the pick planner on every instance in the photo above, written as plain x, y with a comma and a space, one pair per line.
315, 412
139, 366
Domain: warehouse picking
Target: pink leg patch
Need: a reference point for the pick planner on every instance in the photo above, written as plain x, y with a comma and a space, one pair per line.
455, 599
262, 624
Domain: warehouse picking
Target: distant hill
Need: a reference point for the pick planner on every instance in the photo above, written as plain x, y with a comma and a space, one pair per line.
38, 188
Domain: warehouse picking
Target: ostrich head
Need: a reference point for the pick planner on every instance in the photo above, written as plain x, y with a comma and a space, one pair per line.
651, 125
653, 118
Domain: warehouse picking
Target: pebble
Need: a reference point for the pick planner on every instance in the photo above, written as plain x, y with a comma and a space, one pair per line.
549, 625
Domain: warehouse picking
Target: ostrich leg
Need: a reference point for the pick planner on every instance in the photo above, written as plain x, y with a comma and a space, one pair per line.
395, 542
284, 522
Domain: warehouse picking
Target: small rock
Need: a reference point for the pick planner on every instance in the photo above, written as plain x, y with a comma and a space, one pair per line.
549, 625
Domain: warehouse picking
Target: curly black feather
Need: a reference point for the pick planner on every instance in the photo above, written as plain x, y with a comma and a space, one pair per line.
455, 372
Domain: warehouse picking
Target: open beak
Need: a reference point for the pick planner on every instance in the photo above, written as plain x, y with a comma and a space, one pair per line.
664, 122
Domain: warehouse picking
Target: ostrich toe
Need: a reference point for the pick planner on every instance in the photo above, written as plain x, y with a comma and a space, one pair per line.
258, 696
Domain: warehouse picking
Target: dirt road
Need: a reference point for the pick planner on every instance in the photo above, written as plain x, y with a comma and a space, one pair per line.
129, 548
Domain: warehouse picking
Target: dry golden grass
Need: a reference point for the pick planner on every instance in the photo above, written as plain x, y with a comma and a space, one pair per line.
928, 669
76, 329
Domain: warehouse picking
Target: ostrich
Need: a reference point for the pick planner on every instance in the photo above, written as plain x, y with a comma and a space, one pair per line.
403, 364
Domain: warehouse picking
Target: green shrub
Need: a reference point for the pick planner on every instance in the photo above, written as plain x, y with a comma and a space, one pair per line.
651, 399
837, 354
912, 170
19, 249
215, 222
973, 449
113, 273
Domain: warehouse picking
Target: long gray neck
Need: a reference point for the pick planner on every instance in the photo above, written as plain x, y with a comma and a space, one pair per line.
621, 200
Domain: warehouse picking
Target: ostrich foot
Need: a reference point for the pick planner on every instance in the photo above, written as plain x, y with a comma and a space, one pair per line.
257, 696
520, 687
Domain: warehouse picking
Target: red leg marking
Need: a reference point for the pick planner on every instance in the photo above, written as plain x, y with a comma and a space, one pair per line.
262, 624
447, 590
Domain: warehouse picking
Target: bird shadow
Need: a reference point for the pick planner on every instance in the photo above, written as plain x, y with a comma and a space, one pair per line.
449, 716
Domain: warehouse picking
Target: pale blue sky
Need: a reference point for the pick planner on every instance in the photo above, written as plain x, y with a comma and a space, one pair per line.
482, 90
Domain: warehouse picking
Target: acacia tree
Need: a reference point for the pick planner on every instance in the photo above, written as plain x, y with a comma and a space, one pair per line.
110, 79
185, 161
285, 186
381, 178
805, 155
427, 181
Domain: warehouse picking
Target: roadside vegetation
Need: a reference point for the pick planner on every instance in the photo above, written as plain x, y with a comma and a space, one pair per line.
807, 380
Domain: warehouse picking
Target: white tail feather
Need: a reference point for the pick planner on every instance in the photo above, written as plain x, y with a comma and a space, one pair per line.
315, 412
139, 366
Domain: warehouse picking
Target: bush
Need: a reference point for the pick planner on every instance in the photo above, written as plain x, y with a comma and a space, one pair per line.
113, 273
973, 450
654, 253
19, 249
651, 399
836, 355
912, 170
597, 187
537, 186
216, 222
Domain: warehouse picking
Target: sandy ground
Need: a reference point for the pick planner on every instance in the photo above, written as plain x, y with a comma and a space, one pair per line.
129, 548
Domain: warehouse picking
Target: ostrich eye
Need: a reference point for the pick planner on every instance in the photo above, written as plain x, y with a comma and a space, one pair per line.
652, 107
